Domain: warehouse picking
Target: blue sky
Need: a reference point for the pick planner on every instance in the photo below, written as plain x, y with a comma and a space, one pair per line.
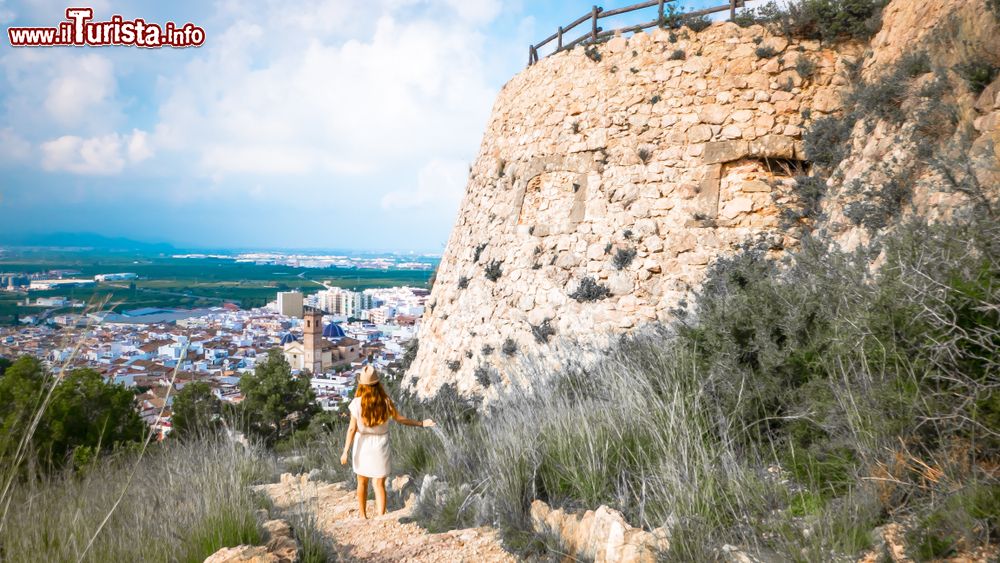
319, 123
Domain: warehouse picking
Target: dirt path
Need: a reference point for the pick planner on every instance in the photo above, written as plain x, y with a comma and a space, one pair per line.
383, 538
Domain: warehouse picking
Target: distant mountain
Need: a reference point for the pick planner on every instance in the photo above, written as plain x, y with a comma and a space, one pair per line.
83, 240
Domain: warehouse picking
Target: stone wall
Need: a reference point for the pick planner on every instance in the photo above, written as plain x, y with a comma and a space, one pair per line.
637, 163
674, 147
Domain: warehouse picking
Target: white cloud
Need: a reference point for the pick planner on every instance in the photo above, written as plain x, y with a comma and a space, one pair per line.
439, 182
415, 89
138, 146
80, 86
103, 155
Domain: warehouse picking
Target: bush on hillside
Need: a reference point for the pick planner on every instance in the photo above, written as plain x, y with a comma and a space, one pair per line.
977, 74
589, 290
831, 371
48, 423
825, 140
829, 20
196, 411
275, 402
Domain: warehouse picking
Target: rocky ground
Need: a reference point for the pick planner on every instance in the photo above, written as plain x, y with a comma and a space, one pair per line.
383, 538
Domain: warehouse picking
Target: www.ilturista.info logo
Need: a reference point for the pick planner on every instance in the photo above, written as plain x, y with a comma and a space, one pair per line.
79, 30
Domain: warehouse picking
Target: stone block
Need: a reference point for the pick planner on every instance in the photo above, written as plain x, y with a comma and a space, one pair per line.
773, 146
724, 151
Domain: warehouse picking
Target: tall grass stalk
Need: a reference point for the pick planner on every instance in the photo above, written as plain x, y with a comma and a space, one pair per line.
186, 500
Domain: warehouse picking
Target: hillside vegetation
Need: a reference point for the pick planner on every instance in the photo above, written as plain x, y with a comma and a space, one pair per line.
796, 410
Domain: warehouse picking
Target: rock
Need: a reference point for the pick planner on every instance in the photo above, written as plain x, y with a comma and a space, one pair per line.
599, 535
724, 151
699, 133
737, 206
243, 554
281, 543
773, 146
714, 114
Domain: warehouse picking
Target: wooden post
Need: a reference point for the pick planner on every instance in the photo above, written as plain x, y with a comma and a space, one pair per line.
559, 39
732, 10
593, 32
659, 19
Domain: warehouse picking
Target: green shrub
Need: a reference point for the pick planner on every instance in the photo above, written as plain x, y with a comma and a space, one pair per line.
977, 74
881, 98
829, 20
463, 282
478, 252
589, 290
53, 417
623, 258
493, 271
825, 140
486, 375
967, 517
809, 192
914, 64
677, 55
509, 347
543, 331
697, 23
805, 67
765, 52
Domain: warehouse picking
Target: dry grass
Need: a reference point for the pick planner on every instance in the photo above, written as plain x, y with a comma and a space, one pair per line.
185, 501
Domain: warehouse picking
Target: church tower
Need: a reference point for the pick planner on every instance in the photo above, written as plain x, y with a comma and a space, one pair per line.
312, 341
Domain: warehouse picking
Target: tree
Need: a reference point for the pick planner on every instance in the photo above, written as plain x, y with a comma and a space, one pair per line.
196, 410
275, 403
4, 364
83, 413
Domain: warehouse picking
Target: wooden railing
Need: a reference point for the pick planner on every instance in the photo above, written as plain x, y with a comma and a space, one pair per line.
597, 33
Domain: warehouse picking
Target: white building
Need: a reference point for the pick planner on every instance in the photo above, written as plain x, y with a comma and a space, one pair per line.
115, 277
290, 303
339, 302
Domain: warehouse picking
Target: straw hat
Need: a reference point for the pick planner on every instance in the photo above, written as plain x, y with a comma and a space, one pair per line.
368, 376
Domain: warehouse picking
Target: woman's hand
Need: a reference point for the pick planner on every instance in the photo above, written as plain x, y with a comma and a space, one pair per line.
343, 459
427, 423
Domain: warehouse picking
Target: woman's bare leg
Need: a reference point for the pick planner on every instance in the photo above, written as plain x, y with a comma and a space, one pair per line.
379, 496
363, 496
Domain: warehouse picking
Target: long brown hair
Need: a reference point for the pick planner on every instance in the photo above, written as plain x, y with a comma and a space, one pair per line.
376, 406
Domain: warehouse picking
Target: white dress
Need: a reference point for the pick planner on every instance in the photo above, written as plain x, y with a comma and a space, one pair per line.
370, 455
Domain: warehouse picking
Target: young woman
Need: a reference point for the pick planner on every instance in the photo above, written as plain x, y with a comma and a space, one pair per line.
371, 410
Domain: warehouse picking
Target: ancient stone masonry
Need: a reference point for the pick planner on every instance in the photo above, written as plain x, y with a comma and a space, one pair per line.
609, 179
603, 189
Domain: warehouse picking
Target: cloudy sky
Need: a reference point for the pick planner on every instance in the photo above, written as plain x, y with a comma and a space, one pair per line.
333, 124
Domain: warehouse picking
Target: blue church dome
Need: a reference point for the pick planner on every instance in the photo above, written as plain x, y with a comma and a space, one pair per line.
333, 330
288, 337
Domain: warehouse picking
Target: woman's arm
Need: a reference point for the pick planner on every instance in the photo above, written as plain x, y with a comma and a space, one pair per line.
425, 423
351, 431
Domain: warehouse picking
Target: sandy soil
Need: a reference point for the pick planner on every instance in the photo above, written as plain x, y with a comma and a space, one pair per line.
383, 538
